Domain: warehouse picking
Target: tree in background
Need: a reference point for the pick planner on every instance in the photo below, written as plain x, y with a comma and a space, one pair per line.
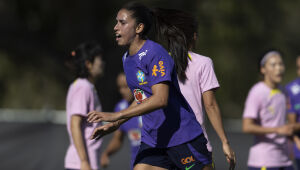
38, 34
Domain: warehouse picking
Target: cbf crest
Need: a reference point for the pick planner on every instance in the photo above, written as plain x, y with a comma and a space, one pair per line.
140, 75
139, 95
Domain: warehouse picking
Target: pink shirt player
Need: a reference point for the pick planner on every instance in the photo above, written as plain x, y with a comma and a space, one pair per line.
200, 78
81, 99
267, 107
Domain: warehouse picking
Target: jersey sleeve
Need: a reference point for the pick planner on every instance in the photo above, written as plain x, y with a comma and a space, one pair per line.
81, 101
160, 68
208, 79
252, 105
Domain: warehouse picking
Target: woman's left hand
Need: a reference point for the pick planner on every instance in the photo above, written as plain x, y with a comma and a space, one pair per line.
95, 117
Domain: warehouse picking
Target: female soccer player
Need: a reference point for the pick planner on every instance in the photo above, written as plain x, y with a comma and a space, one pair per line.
131, 128
293, 94
86, 62
171, 136
265, 116
200, 80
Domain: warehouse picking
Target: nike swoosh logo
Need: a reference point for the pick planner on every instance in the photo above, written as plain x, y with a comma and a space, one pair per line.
188, 168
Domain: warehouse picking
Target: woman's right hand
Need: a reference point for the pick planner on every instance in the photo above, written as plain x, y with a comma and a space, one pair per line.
230, 155
285, 130
104, 160
95, 117
103, 130
85, 165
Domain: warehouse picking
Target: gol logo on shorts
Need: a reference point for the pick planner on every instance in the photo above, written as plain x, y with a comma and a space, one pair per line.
187, 160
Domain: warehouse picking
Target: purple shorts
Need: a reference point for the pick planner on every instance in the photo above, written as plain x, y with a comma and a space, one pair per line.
191, 155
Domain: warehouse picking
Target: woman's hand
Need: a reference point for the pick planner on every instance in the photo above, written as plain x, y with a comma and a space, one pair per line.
230, 155
101, 131
95, 117
285, 130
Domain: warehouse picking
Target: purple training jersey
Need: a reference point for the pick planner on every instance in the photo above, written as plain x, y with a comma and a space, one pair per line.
293, 94
132, 128
176, 123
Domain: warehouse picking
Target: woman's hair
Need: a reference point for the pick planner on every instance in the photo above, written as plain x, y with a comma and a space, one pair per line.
265, 58
142, 14
77, 58
175, 27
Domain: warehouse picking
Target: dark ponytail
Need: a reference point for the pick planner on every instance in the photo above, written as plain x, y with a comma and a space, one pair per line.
175, 27
77, 58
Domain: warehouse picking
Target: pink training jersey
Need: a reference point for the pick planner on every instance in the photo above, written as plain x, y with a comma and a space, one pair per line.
268, 107
200, 78
81, 99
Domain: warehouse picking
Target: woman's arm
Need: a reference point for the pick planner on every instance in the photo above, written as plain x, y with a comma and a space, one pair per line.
78, 140
249, 126
103, 130
114, 146
292, 119
213, 113
159, 99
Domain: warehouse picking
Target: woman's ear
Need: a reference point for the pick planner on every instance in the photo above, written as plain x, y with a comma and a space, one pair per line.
139, 28
262, 70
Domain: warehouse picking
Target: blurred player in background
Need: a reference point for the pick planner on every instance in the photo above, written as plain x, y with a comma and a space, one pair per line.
131, 128
87, 64
265, 117
293, 95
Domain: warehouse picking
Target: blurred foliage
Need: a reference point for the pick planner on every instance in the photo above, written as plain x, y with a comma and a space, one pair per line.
36, 35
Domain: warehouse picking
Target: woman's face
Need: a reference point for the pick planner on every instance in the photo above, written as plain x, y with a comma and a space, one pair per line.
125, 29
123, 88
273, 69
96, 68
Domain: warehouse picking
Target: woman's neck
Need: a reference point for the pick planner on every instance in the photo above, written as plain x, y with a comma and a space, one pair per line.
271, 84
91, 79
136, 45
